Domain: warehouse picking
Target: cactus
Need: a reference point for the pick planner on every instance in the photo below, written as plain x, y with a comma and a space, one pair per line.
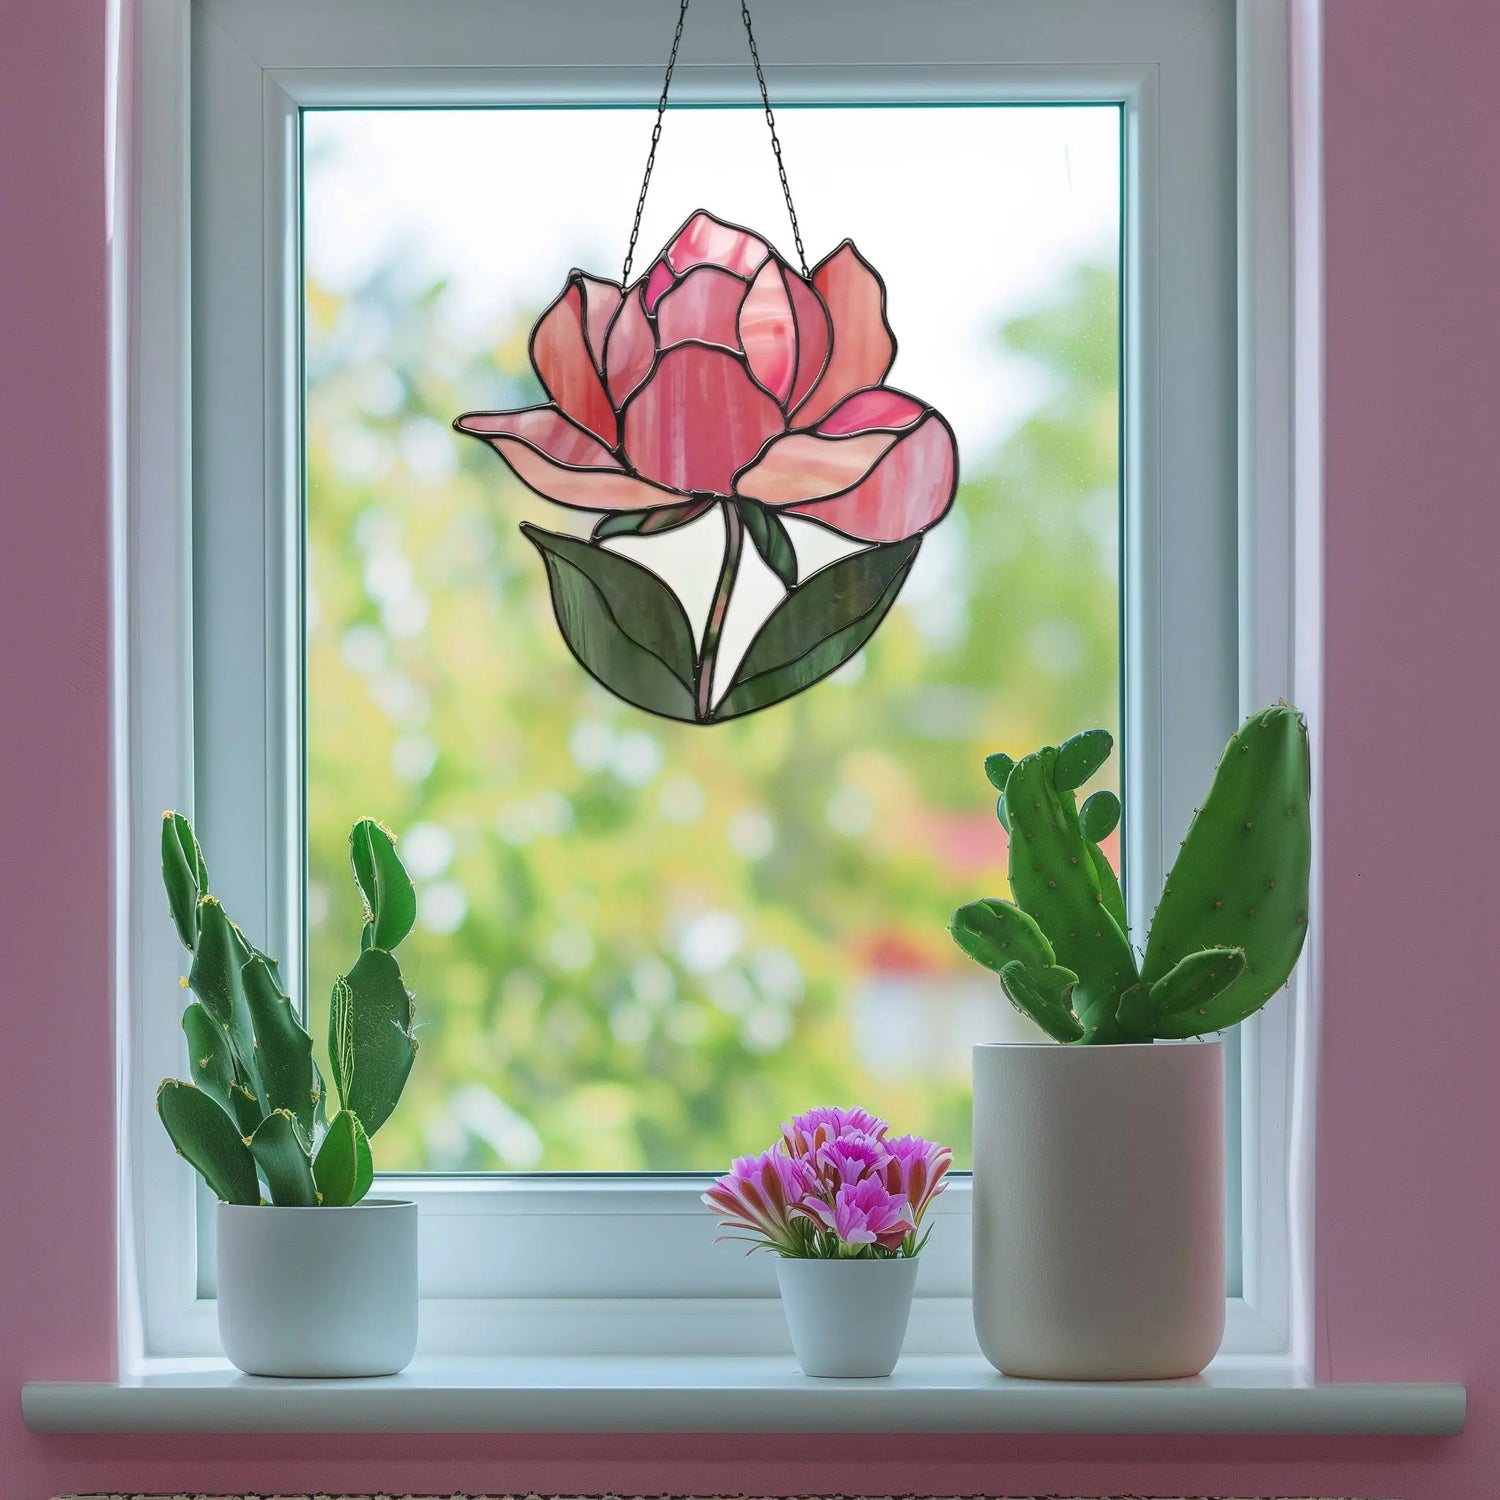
254, 1110
343, 1169
1231, 921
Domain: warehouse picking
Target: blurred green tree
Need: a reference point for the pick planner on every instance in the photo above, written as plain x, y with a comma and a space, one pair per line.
642, 944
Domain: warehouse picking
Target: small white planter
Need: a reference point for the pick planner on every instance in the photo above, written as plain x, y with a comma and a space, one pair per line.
847, 1317
1099, 1209
318, 1291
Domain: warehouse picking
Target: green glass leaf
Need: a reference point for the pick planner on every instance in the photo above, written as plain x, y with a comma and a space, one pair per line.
769, 533
819, 626
623, 624
650, 522
390, 897
343, 1168
281, 1153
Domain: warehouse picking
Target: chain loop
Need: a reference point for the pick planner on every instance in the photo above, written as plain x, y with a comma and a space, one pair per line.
661, 109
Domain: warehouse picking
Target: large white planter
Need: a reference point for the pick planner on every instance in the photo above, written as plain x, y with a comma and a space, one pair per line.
847, 1317
1099, 1209
318, 1291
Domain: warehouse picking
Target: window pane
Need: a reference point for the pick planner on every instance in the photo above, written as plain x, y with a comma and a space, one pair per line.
642, 943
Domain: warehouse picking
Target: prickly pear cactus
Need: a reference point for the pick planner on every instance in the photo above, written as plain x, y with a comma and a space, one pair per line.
1240, 879
1231, 921
253, 1110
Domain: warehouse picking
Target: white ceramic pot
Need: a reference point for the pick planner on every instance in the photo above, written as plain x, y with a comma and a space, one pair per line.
1099, 1209
318, 1291
847, 1317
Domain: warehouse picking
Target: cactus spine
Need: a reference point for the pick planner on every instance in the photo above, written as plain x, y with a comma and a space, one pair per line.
1231, 921
253, 1110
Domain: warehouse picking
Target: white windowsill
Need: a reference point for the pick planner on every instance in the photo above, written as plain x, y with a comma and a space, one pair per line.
928, 1393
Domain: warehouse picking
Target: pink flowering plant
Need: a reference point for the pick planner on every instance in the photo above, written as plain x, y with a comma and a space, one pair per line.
837, 1185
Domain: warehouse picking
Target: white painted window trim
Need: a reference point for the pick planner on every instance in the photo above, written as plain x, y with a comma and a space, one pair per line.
268, 58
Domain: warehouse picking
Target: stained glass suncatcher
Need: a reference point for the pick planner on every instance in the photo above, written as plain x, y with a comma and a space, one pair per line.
722, 381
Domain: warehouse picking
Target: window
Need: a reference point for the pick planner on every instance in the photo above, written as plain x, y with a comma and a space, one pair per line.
644, 944
301, 118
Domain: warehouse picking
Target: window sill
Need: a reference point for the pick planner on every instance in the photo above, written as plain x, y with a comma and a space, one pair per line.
928, 1393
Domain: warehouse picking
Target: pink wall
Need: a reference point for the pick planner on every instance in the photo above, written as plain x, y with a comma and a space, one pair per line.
1408, 1195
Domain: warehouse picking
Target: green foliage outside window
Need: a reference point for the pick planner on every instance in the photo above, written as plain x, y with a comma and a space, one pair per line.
642, 944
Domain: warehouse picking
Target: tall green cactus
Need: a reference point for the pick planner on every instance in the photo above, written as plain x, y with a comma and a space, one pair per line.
1231, 921
254, 1110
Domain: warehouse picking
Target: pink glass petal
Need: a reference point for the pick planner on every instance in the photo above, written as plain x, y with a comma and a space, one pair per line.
601, 301
863, 347
698, 419
768, 331
881, 407
545, 428
704, 306
629, 348
906, 492
705, 240
658, 284
561, 355
803, 466
812, 336
562, 462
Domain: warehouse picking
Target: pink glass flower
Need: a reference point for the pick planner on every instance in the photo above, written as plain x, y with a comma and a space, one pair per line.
723, 373
865, 1213
804, 1134
759, 1194
915, 1169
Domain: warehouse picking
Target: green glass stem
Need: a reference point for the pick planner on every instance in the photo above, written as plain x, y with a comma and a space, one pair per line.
734, 546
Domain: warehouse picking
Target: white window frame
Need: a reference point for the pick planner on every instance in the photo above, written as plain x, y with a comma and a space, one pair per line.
1221, 572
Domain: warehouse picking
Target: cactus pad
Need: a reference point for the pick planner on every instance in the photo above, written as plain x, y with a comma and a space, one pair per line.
281, 1152
1099, 816
208, 1138
184, 874
1241, 877
390, 899
1045, 993
1053, 879
998, 768
995, 933
343, 1167
1079, 757
370, 1037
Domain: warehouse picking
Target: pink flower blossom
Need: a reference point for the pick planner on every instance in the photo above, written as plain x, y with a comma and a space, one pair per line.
851, 1157
805, 1133
915, 1169
761, 1194
865, 1213
722, 372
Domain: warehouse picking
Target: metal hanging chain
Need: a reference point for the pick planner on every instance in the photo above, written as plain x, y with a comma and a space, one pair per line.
661, 109
765, 98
